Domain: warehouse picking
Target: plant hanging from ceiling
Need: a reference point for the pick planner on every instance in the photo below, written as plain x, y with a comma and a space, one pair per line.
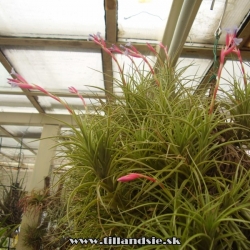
161, 161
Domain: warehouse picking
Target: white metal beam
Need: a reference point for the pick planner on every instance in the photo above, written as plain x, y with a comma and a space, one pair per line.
196, 49
185, 21
35, 119
44, 157
170, 26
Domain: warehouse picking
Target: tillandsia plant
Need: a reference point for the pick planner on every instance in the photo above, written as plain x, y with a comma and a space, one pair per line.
159, 162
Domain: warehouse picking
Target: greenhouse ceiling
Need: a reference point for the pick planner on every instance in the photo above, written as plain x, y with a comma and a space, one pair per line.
47, 43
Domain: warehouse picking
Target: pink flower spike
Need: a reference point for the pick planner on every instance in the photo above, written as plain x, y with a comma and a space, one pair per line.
161, 45
19, 77
129, 52
115, 49
129, 177
16, 83
73, 90
133, 176
12, 82
128, 44
90, 38
151, 48
134, 49
98, 34
126, 53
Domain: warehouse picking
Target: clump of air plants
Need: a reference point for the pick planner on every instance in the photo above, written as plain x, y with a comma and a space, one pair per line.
161, 162
33, 237
43, 207
10, 210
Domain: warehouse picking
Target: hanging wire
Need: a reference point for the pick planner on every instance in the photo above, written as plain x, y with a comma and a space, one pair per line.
212, 5
145, 12
20, 153
217, 35
19, 159
0, 144
218, 30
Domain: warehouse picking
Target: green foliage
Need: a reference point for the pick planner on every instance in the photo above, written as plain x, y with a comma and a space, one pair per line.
10, 211
164, 132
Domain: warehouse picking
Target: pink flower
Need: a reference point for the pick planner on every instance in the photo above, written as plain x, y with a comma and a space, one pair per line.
19, 77
73, 90
129, 44
231, 42
151, 48
97, 39
23, 84
133, 176
165, 48
17, 83
231, 47
115, 49
162, 46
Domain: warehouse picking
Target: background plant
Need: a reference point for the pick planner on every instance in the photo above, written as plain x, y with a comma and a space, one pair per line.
10, 211
44, 207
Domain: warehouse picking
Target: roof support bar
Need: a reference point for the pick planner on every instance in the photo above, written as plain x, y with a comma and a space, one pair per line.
185, 21
17, 140
111, 34
171, 24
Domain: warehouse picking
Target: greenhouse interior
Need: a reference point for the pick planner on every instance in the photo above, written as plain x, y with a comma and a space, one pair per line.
125, 124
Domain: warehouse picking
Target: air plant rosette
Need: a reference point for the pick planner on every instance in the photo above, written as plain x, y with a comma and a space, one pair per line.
161, 162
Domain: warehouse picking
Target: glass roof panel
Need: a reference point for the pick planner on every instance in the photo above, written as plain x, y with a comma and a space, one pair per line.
10, 103
207, 21
20, 131
26, 153
193, 70
50, 104
56, 19
16, 153
13, 152
129, 68
32, 143
57, 70
8, 142
142, 19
